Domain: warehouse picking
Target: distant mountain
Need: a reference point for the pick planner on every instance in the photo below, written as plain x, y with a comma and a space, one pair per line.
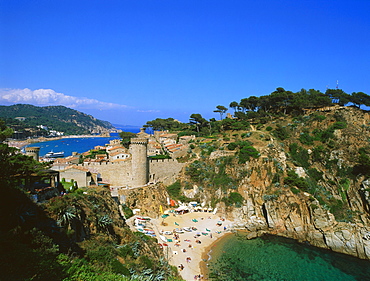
127, 128
27, 117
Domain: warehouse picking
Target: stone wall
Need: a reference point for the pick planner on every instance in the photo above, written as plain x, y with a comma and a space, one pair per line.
78, 176
114, 173
120, 173
164, 170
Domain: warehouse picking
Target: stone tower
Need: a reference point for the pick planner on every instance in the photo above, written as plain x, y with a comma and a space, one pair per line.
138, 149
33, 152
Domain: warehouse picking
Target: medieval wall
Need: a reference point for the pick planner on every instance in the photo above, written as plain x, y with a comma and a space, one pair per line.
120, 173
164, 170
114, 173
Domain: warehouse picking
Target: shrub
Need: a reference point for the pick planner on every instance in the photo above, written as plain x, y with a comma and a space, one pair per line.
127, 211
294, 180
281, 132
317, 117
315, 174
339, 125
246, 135
232, 146
174, 189
268, 128
299, 155
295, 190
234, 198
246, 152
306, 139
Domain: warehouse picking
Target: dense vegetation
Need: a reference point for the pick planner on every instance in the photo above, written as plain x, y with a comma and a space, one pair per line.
277, 104
306, 126
58, 118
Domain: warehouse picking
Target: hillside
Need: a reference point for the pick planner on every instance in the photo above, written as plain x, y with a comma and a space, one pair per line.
57, 118
305, 177
309, 179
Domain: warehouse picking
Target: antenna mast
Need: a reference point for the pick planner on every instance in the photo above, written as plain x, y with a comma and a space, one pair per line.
337, 83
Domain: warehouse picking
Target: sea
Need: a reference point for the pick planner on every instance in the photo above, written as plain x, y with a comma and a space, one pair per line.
79, 145
269, 257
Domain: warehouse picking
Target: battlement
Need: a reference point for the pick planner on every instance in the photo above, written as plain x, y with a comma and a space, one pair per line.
33, 152
32, 149
162, 160
140, 141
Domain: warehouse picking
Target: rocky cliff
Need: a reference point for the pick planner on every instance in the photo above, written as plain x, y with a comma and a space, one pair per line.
309, 180
330, 209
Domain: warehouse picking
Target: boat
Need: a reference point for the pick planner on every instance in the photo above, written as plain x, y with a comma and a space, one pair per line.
52, 154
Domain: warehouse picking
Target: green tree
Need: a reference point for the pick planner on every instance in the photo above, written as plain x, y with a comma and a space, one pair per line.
234, 105
250, 104
220, 109
338, 96
360, 98
5, 132
197, 120
126, 138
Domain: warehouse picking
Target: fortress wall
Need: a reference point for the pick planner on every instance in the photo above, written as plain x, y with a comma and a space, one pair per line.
164, 170
120, 173
114, 173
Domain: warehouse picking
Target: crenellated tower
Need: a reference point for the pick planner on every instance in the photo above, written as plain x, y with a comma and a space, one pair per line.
138, 149
33, 152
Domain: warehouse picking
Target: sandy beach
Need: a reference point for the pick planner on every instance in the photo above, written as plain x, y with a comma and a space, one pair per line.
188, 249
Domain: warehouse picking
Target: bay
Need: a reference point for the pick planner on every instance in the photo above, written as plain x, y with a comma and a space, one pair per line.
278, 258
79, 145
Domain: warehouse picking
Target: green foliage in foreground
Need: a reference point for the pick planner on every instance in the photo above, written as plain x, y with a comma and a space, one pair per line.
46, 249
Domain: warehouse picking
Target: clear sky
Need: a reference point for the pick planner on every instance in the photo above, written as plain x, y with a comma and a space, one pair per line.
131, 61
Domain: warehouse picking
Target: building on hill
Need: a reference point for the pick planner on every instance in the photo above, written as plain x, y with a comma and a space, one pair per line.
115, 142
118, 155
154, 148
186, 139
168, 137
126, 168
63, 163
117, 148
100, 147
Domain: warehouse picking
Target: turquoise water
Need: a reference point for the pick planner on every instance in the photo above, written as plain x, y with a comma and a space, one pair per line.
278, 258
80, 145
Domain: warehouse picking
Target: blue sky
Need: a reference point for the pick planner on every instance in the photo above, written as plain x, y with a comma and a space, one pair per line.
131, 61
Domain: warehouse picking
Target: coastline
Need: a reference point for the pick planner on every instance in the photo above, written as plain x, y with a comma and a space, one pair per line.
20, 144
206, 255
187, 249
